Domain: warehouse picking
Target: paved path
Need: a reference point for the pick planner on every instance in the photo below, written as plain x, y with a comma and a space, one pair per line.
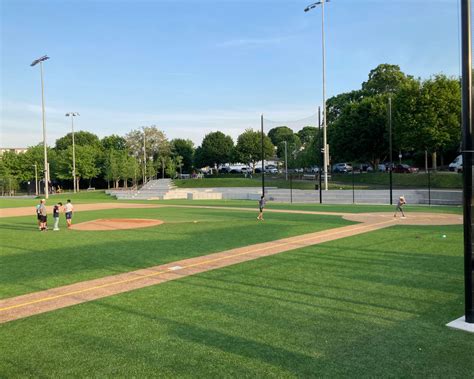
61, 297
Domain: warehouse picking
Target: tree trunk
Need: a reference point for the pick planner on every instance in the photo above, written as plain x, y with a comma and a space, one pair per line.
433, 161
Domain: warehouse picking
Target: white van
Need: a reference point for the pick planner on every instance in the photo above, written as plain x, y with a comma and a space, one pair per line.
456, 165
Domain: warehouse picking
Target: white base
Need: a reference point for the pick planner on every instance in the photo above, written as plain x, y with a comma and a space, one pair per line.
461, 324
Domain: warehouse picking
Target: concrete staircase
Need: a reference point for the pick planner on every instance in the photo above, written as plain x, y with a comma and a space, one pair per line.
152, 190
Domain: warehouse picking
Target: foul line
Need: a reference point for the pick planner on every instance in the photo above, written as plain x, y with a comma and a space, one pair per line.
184, 267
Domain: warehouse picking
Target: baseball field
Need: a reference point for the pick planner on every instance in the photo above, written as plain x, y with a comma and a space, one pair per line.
203, 289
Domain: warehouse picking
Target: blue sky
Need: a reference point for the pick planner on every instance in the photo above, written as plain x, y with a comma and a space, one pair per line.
191, 67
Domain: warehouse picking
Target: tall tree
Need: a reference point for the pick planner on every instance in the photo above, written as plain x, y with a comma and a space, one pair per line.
216, 149
81, 138
249, 148
433, 123
307, 134
185, 149
156, 145
114, 142
360, 133
279, 134
385, 78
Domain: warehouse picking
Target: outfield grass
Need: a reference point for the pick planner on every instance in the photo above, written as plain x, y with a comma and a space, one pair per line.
34, 261
438, 180
373, 305
224, 181
79, 198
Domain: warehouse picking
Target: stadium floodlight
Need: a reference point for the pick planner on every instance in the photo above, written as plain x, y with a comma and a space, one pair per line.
46, 169
39, 60
312, 6
326, 155
72, 115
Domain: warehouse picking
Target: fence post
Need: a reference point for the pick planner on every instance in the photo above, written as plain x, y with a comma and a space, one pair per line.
353, 193
291, 188
429, 187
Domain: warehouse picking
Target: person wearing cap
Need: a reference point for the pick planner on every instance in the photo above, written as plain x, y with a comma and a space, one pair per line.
401, 202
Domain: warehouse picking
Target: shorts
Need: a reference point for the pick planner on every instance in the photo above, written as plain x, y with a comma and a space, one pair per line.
261, 209
68, 215
38, 216
43, 218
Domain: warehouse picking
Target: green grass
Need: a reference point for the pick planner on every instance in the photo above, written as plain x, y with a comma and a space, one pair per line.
345, 208
33, 261
255, 182
438, 180
81, 197
100, 197
373, 305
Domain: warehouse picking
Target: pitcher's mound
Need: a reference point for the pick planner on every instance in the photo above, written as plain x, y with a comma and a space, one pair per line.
116, 224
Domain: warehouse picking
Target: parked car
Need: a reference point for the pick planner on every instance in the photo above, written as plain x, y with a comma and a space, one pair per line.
456, 165
271, 170
312, 170
365, 167
404, 169
342, 168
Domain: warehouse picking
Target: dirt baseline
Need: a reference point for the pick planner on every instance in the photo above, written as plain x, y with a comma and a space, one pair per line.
116, 224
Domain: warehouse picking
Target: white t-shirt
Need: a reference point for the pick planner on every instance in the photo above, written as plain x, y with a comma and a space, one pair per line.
68, 207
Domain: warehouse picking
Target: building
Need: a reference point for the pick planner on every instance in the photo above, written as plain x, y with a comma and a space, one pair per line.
16, 150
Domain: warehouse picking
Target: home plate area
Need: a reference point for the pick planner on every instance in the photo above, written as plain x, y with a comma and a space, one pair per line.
116, 224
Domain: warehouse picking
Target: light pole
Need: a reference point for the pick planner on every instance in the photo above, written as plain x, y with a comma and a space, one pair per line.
286, 160
467, 156
46, 173
144, 156
390, 147
326, 150
72, 115
263, 157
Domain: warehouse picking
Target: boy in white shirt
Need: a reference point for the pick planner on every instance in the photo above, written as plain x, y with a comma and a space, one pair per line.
68, 208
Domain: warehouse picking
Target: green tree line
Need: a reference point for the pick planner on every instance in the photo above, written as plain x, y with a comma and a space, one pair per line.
425, 114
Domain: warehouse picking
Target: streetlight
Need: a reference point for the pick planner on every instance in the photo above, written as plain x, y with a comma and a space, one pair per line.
46, 172
326, 150
286, 160
72, 115
144, 156
390, 147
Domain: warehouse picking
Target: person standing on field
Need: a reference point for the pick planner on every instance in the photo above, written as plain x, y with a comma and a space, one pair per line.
68, 208
261, 205
38, 215
43, 216
400, 204
56, 210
